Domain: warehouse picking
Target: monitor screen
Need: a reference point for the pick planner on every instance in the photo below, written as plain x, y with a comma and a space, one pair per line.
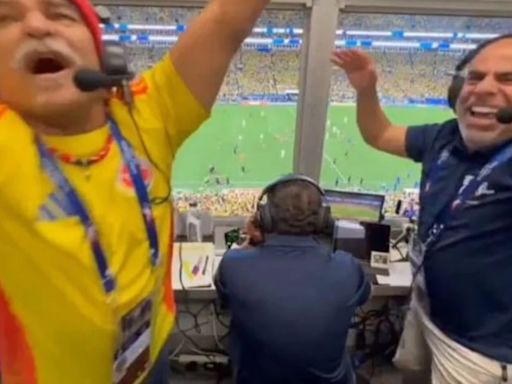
355, 206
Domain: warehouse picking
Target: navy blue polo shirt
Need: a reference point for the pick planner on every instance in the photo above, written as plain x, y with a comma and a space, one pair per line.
291, 301
468, 272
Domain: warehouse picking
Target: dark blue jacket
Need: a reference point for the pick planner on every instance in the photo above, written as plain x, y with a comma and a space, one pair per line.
292, 302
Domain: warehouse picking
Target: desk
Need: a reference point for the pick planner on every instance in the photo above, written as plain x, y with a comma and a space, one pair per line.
192, 252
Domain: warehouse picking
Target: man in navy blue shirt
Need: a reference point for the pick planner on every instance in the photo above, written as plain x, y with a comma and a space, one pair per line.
291, 298
465, 223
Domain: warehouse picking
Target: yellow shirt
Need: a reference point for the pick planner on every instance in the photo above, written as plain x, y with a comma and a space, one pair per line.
55, 324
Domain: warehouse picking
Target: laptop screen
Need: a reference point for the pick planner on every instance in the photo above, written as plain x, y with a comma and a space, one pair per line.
355, 206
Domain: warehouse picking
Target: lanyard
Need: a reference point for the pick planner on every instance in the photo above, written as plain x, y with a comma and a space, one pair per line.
466, 192
53, 171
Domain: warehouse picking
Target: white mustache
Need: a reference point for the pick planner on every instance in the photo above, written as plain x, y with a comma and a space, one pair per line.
30, 48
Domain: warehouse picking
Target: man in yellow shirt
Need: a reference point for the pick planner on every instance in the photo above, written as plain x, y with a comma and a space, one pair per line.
85, 294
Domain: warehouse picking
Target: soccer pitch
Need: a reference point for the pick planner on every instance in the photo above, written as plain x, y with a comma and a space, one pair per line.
253, 145
361, 213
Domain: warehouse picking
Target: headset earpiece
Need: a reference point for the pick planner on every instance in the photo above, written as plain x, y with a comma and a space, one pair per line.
264, 217
114, 60
103, 14
454, 90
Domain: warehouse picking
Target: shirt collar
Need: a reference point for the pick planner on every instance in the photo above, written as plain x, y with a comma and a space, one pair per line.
274, 240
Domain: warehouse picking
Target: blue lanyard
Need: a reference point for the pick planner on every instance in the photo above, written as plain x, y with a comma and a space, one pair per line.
464, 193
53, 171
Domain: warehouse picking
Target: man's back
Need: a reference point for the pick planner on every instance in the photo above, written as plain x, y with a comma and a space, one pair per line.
292, 302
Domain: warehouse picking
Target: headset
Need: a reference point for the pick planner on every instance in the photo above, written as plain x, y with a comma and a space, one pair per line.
458, 78
265, 221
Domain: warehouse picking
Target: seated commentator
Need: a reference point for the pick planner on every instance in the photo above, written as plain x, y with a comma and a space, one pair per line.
291, 298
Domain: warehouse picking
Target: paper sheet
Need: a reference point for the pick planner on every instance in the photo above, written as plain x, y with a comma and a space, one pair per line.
400, 275
197, 267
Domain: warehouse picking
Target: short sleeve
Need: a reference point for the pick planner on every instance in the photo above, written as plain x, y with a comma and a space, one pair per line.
180, 111
419, 140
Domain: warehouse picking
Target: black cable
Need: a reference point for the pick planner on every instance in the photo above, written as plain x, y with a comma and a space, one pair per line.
157, 200
402, 257
198, 314
218, 316
183, 289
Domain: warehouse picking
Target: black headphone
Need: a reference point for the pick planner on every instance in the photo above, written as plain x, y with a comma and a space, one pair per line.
265, 221
114, 60
458, 78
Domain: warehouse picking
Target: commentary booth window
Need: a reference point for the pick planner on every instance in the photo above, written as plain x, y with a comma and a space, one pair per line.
249, 140
415, 57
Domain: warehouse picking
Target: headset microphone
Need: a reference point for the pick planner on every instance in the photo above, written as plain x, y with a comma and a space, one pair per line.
504, 116
87, 80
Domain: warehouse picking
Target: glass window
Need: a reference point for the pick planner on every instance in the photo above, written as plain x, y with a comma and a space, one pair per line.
415, 58
249, 139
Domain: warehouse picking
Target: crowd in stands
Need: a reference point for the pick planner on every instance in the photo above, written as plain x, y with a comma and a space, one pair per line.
229, 202
242, 202
422, 23
402, 74
347, 21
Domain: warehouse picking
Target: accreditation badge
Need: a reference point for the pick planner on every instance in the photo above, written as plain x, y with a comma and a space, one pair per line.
132, 357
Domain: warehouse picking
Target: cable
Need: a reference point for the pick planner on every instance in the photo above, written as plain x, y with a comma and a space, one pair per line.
214, 328
180, 272
154, 200
178, 350
219, 319
403, 258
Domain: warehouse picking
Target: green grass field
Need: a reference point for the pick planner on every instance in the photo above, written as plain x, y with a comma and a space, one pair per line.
350, 212
261, 138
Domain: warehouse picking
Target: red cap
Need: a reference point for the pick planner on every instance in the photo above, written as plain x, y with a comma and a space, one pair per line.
92, 22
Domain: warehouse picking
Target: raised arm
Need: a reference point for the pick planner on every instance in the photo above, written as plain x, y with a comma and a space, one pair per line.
203, 53
375, 127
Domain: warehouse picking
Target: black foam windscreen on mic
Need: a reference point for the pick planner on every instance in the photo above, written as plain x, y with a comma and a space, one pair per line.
88, 80
504, 116
398, 207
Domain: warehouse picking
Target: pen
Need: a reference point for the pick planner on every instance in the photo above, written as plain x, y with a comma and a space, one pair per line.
205, 265
196, 269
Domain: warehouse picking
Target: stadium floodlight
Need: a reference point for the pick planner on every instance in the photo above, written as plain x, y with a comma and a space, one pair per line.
369, 33
442, 35
479, 36
462, 46
397, 44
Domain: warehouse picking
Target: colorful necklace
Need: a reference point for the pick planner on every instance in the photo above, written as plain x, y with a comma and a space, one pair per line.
84, 162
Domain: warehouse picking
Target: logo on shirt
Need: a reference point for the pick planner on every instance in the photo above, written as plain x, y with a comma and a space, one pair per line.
125, 181
56, 207
483, 190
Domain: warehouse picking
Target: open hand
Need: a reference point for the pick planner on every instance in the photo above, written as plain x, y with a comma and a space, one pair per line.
358, 66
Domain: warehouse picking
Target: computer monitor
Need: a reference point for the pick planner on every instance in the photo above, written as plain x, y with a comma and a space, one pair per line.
355, 206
